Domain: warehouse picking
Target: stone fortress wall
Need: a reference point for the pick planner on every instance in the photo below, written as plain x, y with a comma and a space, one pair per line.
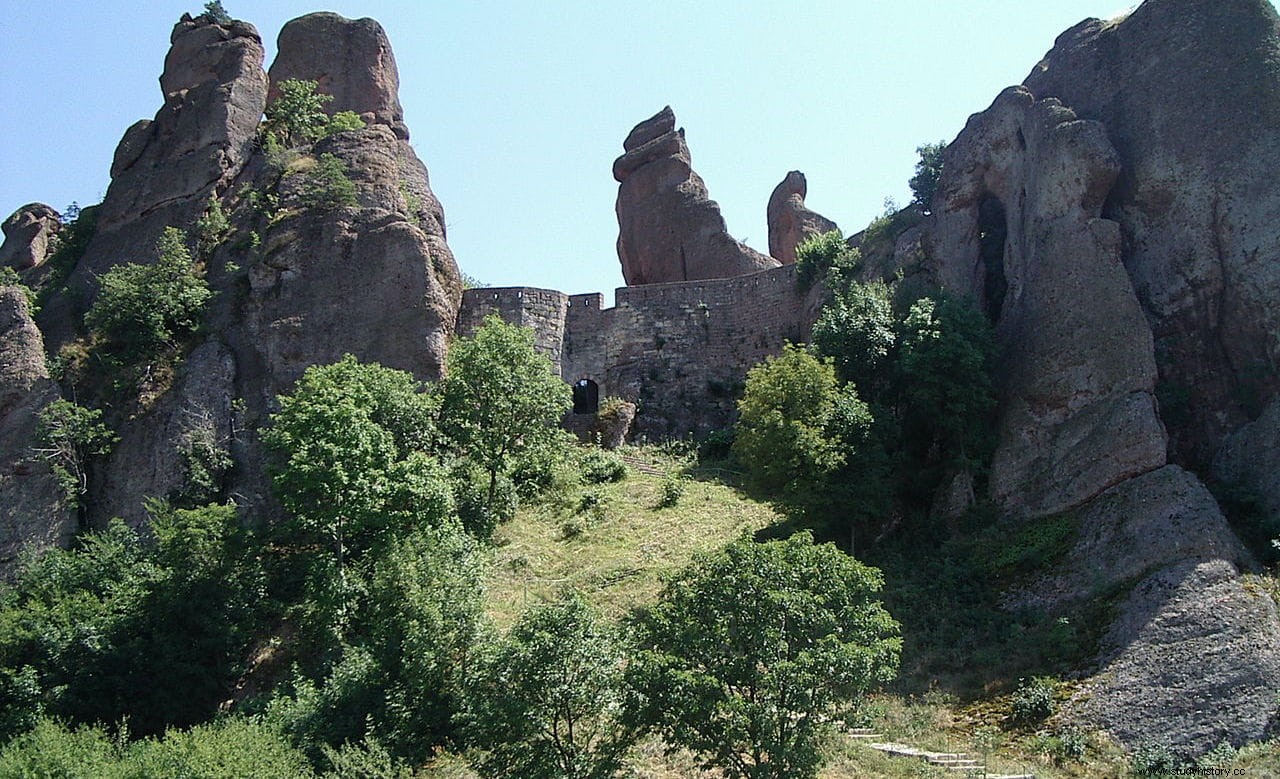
680, 350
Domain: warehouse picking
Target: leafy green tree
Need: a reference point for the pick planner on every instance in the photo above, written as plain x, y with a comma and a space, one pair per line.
928, 172
856, 329
946, 394
121, 627
547, 702
297, 114
354, 466
399, 672
68, 436
748, 652
141, 309
789, 415
501, 399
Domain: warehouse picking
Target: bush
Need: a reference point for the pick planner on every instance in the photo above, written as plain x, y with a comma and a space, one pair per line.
856, 329
1154, 759
673, 487
818, 255
214, 12
9, 278
749, 652
600, 468
546, 700
297, 116
1034, 700
122, 628
141, 309
327, 187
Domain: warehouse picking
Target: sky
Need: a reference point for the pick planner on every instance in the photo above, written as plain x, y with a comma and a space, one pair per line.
518, 109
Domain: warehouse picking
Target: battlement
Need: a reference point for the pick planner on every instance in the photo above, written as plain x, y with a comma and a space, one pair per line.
681, 350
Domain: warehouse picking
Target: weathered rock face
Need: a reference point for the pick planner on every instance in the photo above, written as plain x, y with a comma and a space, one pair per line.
350, 59
1192, 657
1250, 459
34, 512
790, 222
376, 280
668, 227
166, 169
1189, 91
1017, 227
30, 236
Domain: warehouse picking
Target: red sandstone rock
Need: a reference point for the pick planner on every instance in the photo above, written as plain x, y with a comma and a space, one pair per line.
30, 234
668, 227
350, 59
790, 222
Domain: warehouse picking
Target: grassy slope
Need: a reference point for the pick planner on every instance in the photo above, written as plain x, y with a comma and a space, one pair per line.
615, 547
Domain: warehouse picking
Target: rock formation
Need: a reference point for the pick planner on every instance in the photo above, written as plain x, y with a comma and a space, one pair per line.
1121, 239
1190, 95
1078, 412
166, 169
30, 236
349, 59
668, 227
34, 512
296, 286
790, 222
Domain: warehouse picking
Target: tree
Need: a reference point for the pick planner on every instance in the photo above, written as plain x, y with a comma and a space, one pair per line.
547, 702
819, 255
127, 627
856, 330
748, 651
143, 308
924, 184
354, 446
214, 12
500, 398
67, 437
297, 114
946, 393
785, 417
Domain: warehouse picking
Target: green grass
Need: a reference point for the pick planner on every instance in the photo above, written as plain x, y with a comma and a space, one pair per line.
615, 551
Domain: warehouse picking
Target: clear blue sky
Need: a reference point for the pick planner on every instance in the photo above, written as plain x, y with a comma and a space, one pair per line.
519, 109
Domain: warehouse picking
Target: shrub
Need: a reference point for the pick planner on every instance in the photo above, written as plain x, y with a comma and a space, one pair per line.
327, 187
212, 227
546, 700
143, 308
1034, 700
122, 628
672, 490
1154, 759
818, 255
297, 114
749, 651
600, 468
9, 277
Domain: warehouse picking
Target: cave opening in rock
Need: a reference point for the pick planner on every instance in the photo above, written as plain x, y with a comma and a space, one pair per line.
993, 229
586, 397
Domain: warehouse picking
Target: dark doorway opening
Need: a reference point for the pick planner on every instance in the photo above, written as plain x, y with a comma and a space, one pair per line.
993, 230
586, 397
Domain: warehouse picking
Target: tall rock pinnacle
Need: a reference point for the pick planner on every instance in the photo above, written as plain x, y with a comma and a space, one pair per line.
669, 229
790, 222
